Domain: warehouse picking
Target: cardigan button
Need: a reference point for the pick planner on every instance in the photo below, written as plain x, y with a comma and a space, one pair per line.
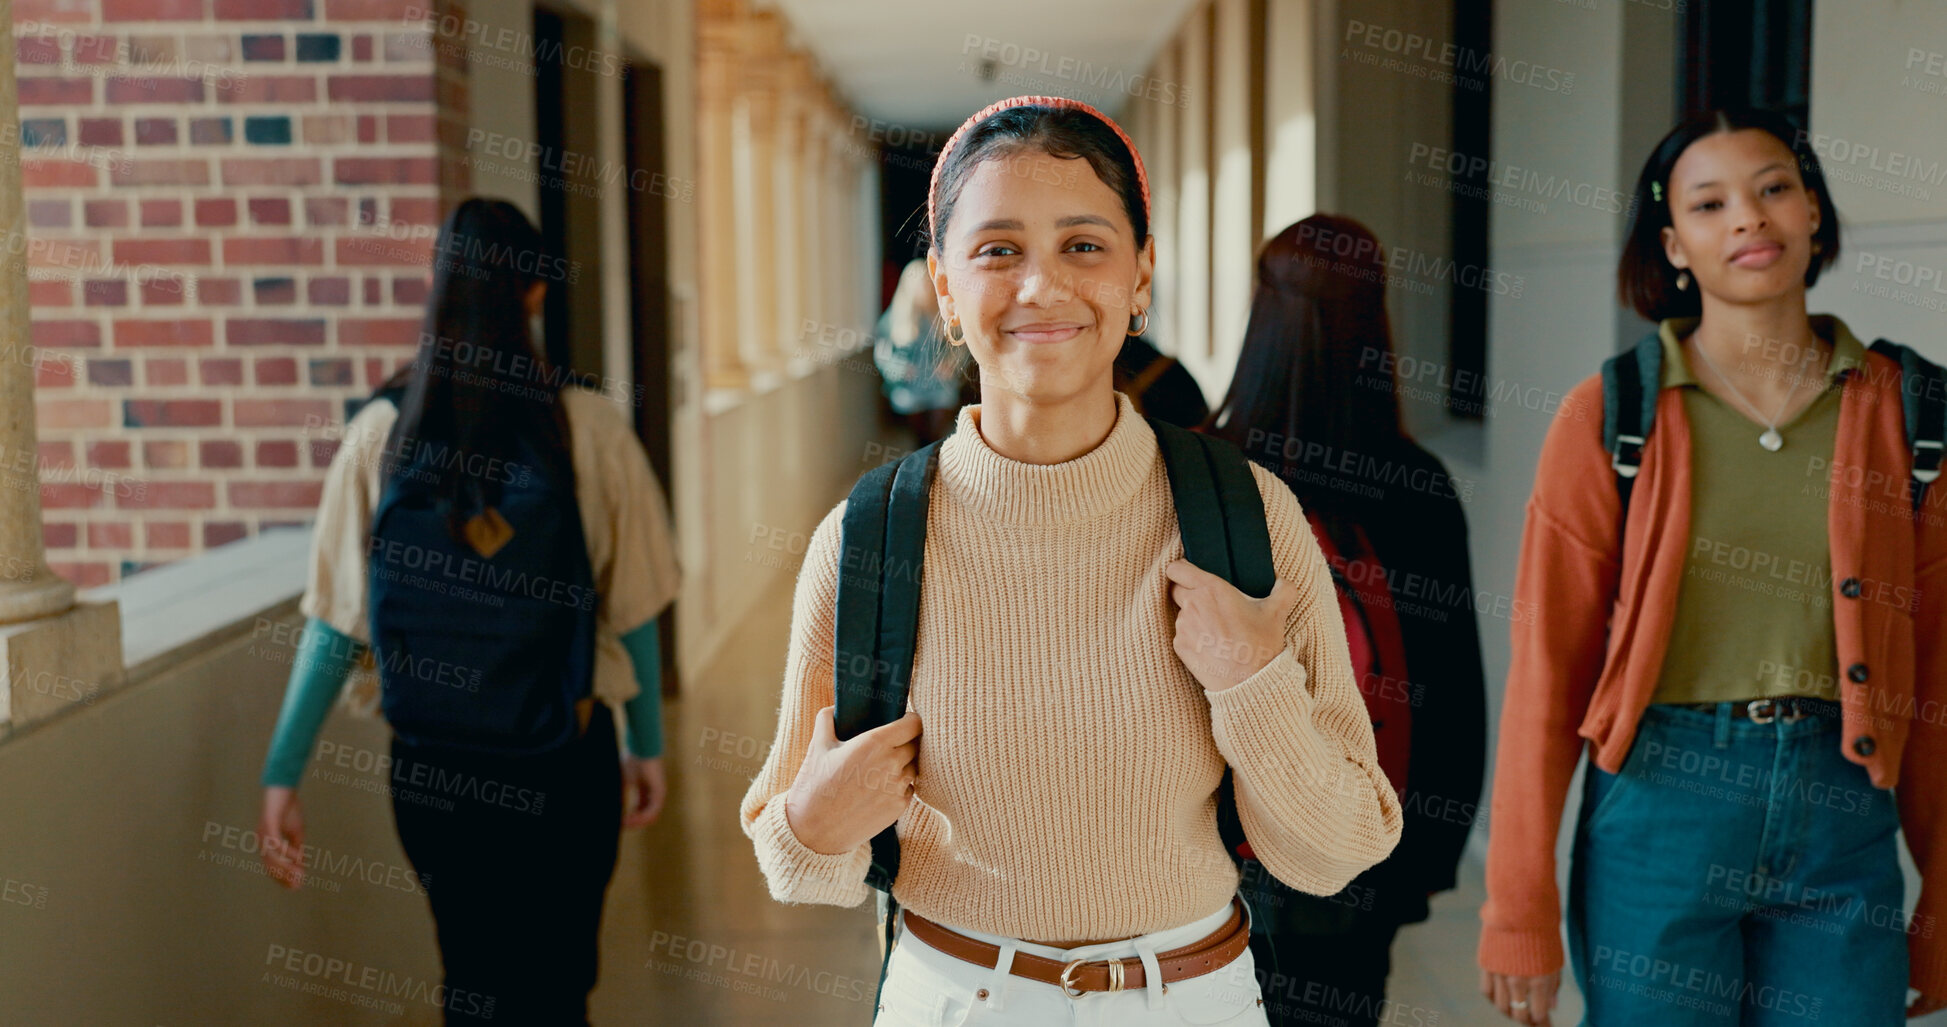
1849, 588
1863, 745
1857, 672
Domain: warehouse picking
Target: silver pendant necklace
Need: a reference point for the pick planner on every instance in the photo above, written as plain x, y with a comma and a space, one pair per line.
1772, 439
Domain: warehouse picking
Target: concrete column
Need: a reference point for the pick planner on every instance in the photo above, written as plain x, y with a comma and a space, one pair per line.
718, 46
53, 653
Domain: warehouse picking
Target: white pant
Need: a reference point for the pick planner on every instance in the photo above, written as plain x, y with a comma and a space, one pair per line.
928, 988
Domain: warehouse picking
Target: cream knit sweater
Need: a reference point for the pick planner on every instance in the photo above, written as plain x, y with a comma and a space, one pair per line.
1068, 761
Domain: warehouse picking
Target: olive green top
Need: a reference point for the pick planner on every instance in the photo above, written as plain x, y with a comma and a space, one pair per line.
1754, 610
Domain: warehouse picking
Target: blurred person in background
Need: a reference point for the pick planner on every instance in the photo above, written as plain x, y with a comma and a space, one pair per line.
1314, 401
920, 373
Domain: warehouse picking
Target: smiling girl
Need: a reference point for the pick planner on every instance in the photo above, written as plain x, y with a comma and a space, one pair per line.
1744, 655
1081, 687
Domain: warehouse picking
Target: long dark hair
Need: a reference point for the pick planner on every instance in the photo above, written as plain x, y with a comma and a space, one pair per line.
479, 393
1313, 392
1645, 279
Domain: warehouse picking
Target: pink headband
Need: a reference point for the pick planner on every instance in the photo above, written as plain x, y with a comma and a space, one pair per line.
1142, 176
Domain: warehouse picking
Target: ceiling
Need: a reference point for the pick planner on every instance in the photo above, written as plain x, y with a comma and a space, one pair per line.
915, 64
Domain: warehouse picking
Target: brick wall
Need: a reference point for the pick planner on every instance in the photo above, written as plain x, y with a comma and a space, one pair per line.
230, 207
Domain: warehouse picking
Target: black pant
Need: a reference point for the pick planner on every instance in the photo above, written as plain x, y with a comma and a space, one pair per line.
1335, 980
515, 854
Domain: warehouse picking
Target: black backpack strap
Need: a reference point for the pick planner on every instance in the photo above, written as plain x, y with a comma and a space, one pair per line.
1630, 382
1923, 394
1219, 511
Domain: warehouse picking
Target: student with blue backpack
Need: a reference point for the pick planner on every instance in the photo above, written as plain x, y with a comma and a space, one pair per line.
492, 542
1032, 664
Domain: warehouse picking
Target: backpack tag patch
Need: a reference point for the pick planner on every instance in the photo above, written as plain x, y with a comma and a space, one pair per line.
487, 532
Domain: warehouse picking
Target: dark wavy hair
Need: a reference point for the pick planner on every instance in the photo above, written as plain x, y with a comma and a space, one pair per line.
1060, 132
1645, 279
1314, 379
478, 387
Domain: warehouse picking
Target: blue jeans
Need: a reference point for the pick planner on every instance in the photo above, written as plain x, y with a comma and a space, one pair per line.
1737, 873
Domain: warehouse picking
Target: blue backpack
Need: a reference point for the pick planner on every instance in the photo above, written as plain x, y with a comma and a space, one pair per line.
485, 647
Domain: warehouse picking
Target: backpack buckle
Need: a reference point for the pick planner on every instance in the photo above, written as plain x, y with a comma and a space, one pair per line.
1633, 446
1926, 465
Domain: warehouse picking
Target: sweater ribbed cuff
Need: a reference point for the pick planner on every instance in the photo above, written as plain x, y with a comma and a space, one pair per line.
1273, 695
1521, 953
796, 873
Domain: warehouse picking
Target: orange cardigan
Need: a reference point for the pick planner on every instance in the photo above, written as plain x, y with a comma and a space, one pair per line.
1585, 664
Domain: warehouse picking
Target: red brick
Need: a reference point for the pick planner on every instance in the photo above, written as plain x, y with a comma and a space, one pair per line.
220, 453
373, 290
403, 331
152, 10
104, 213
151, 89
64, 333
164, 333
64, 256
165, 534
52, 293
212, 291
155, 131
322, 450
386, 170
375, 372
59, 453
60, 534
372, 10
298, 250
409, 291
160, 171
221, 533
99, 49
84, 574
270, 89
262, 10
101, 131
165, 454
276, 371
111, 535
361, 48
273, 171
165, 372
163, 291
104, 292
67, 92
162, 251
329, 291
168, 495
324, 210
262, 331
111, 372
50, 213
270, 210
54, 10
368, 128
74, 413
380, 88
216, 212
36, 173
53, 374
277, 453
281, 413
221, 371
417, 211
163, 214
384, 251
110, 453
71, 495
172, 413
253, 495
37, 50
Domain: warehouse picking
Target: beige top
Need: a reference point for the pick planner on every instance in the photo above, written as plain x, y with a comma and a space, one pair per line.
1068, 761
1754, 609
623, 515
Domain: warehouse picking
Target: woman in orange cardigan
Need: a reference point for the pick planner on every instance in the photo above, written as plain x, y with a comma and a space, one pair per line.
1755, 657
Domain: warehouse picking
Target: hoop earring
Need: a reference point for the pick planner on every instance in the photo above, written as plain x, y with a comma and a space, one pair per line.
1817, 247
953, 331
1683, 280
1139, 323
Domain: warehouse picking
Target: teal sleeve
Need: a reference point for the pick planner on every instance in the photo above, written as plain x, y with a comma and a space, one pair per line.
324, 659
645, 711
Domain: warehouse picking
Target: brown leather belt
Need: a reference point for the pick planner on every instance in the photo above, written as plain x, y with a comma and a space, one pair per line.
1077, 977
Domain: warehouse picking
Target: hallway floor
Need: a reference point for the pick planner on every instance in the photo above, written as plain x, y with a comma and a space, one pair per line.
742, 959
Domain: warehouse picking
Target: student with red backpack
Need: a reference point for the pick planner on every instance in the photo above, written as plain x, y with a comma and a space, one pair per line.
1314, 400
492, 540
1736, 568
1021, 681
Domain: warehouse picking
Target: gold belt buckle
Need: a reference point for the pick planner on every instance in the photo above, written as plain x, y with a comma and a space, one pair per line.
1069, 988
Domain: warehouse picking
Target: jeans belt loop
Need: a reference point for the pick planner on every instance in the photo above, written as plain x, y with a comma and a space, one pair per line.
1721, 729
